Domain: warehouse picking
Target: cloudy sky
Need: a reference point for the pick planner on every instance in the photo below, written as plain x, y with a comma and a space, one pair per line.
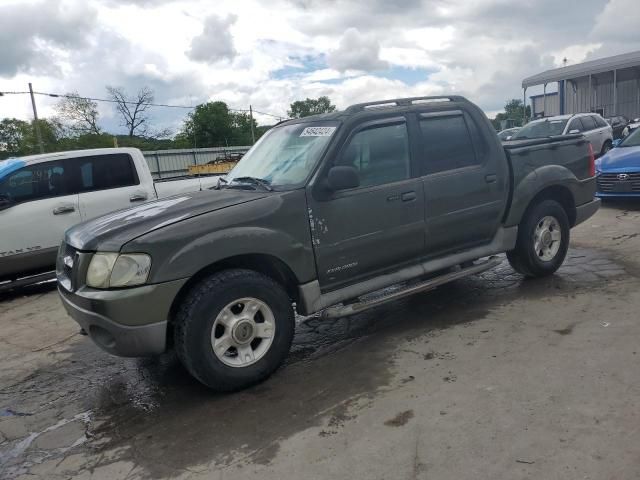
270, 53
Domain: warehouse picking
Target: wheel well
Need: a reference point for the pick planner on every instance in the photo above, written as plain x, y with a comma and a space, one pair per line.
268, 265
563, 196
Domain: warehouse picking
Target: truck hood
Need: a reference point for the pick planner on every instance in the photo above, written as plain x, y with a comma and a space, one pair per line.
620, 160
110, 232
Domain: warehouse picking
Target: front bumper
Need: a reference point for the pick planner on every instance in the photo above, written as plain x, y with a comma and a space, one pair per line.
129, 322
587, 210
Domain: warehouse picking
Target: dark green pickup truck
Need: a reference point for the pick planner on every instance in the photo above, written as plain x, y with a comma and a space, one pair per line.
321, 212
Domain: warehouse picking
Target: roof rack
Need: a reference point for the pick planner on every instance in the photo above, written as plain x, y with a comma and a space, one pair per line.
404, 102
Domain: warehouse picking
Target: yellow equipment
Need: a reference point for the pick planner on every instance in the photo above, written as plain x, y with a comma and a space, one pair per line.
221, 167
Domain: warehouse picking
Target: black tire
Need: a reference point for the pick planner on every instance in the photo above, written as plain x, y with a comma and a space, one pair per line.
196, 317
608, 145
524, 259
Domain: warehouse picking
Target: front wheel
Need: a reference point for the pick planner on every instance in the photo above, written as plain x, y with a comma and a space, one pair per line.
543, 240
234, 329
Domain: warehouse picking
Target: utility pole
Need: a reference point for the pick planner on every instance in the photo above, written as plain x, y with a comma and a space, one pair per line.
253, 134
35, 118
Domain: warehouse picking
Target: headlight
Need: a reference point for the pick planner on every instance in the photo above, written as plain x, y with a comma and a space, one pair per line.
130, 269
112, 270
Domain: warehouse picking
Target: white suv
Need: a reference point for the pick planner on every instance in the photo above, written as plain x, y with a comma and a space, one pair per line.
591, 125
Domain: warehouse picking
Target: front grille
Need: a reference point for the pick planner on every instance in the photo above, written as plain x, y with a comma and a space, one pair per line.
612, 182
66, 262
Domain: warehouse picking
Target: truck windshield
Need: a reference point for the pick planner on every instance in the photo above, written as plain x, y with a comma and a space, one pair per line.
541, 129
284, 156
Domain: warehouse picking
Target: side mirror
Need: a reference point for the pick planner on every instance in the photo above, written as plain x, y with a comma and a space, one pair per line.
342, 177
5, 202
574, 131
616, 142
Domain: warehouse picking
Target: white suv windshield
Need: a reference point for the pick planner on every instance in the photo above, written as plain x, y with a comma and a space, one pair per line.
541, 129
284, 156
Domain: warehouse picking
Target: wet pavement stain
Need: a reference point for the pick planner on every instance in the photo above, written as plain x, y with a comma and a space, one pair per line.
567, 330
151, 412
400, 419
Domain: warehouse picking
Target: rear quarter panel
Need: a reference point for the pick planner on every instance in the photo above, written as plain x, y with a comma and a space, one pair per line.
563, 163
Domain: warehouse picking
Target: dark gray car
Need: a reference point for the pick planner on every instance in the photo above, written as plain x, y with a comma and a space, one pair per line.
320, 212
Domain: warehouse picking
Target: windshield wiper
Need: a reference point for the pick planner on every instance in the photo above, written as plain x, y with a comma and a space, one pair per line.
261, 182
222, 182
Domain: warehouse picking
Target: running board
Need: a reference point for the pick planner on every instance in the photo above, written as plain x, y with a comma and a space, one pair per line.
353, 308
23, 282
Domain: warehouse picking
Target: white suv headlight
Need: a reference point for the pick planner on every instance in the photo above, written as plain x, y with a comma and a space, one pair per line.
108, 270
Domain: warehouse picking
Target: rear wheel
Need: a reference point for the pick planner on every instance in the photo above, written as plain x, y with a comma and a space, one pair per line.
234, 329
543, 240
606, 147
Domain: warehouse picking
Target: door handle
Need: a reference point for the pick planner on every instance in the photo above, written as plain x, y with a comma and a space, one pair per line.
63, 209
408, 196
138, 197
491, 178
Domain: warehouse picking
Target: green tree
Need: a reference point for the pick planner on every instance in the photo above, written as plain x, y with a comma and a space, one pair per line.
310, 106
212, 124
13, 134
18, 137
512, 116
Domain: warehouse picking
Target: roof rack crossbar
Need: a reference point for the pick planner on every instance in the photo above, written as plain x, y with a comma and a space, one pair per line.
404, 102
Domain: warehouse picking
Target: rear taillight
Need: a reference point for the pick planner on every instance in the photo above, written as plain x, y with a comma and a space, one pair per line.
592, 162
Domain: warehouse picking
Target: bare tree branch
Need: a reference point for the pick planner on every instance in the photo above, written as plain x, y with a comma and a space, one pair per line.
132, 110
81, 113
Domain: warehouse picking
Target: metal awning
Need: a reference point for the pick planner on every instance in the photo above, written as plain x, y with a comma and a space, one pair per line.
617, 62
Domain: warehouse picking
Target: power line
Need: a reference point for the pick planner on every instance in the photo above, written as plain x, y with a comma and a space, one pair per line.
109, 100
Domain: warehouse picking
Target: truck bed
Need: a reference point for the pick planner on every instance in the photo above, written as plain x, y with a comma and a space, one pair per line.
562, 156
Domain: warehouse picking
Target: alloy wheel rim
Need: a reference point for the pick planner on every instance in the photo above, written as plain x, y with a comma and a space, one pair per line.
243, 332
547, 238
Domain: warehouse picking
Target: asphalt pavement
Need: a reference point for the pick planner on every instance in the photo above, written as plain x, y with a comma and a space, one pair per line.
490, 377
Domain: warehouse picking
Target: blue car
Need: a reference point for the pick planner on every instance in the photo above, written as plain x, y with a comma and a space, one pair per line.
618, 171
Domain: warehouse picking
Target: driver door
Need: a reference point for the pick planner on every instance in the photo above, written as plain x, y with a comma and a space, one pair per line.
379, 225
42, 208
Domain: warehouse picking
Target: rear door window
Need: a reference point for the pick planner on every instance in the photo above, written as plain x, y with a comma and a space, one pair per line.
43, 180
601, 123
447, 142
102, 172
575, 124
589, 123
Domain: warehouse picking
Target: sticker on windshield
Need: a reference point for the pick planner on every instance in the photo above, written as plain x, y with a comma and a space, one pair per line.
317, 132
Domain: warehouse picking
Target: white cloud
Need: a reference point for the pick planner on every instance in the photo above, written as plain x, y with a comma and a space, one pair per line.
619, 21
269, 54
33, 35
215, 43
356, 51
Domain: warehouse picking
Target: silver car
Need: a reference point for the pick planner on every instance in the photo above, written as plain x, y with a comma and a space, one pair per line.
591, 125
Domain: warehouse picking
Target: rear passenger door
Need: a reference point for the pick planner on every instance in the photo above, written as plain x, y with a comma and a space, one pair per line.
593, 133
107, 183
465, 186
